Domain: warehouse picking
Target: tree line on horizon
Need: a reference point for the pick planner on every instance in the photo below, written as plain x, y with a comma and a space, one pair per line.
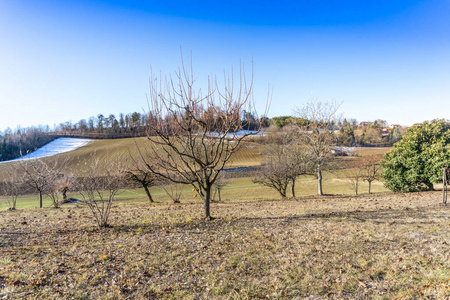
21, 141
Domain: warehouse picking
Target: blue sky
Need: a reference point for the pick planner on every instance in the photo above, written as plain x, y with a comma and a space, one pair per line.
69, 60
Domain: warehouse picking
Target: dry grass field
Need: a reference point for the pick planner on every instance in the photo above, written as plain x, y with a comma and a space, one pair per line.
373, 246
377, 246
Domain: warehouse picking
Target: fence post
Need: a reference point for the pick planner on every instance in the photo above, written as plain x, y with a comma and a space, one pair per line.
444, 186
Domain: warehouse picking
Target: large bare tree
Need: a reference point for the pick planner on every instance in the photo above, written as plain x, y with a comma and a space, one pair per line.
317, 135
193, 133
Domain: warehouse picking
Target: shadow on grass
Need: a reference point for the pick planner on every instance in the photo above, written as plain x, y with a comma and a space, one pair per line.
399, 216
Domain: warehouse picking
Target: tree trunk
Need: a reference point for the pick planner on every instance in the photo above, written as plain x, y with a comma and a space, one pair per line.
148, 194
319, 182
206, 203
40, 199
356, 189
370, 183
219, 194
293, 188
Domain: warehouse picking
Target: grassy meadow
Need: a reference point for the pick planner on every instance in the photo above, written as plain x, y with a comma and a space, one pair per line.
258, 246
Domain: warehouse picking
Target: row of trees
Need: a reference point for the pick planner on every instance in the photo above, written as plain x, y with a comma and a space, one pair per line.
350, 132
304, 147
193, 135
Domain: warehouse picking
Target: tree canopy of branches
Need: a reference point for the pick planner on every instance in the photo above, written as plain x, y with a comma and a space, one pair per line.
193, 134
416, 162
281, 167
42, 174
318, 134
372, 169
137, 172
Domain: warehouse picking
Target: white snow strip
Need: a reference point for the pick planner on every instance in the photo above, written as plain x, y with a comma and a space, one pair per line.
60, 145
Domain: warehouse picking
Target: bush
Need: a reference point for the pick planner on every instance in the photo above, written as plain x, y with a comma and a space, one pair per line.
417, 161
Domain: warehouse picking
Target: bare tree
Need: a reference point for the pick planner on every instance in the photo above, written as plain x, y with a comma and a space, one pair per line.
317, 135
12, 187
63, 186
282, 166
192, 135
41, 173
101, 182
273, 173
219, 184
58, 188
138, 172
372, 169
353, 171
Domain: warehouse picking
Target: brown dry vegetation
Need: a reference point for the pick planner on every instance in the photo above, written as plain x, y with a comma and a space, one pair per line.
377, 246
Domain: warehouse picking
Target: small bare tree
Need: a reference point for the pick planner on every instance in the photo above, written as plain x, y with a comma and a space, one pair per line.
192, 135
353, 170
219, 184
41, 173
282, 166
101, 182
12, 187
372, 169
317, 134
138, 172
273, 174
64, 185
58, 188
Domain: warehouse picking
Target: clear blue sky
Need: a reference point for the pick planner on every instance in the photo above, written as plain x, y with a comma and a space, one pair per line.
69, 60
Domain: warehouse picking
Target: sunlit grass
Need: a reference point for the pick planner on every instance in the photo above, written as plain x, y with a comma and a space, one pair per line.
238, 189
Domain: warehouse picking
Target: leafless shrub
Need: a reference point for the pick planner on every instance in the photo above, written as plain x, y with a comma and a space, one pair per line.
353, 170
99, 191
58, 188
12, 187
219, 184
173, 190
366, 168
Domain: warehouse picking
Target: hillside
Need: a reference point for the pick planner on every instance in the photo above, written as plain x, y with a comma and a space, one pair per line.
113, 149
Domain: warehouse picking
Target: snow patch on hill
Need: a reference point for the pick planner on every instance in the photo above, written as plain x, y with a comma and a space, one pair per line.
60, 145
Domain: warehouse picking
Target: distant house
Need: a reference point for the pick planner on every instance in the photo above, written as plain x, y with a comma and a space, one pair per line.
386, 131
365, 124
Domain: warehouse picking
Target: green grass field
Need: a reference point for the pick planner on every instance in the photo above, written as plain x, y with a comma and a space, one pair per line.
238, 189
